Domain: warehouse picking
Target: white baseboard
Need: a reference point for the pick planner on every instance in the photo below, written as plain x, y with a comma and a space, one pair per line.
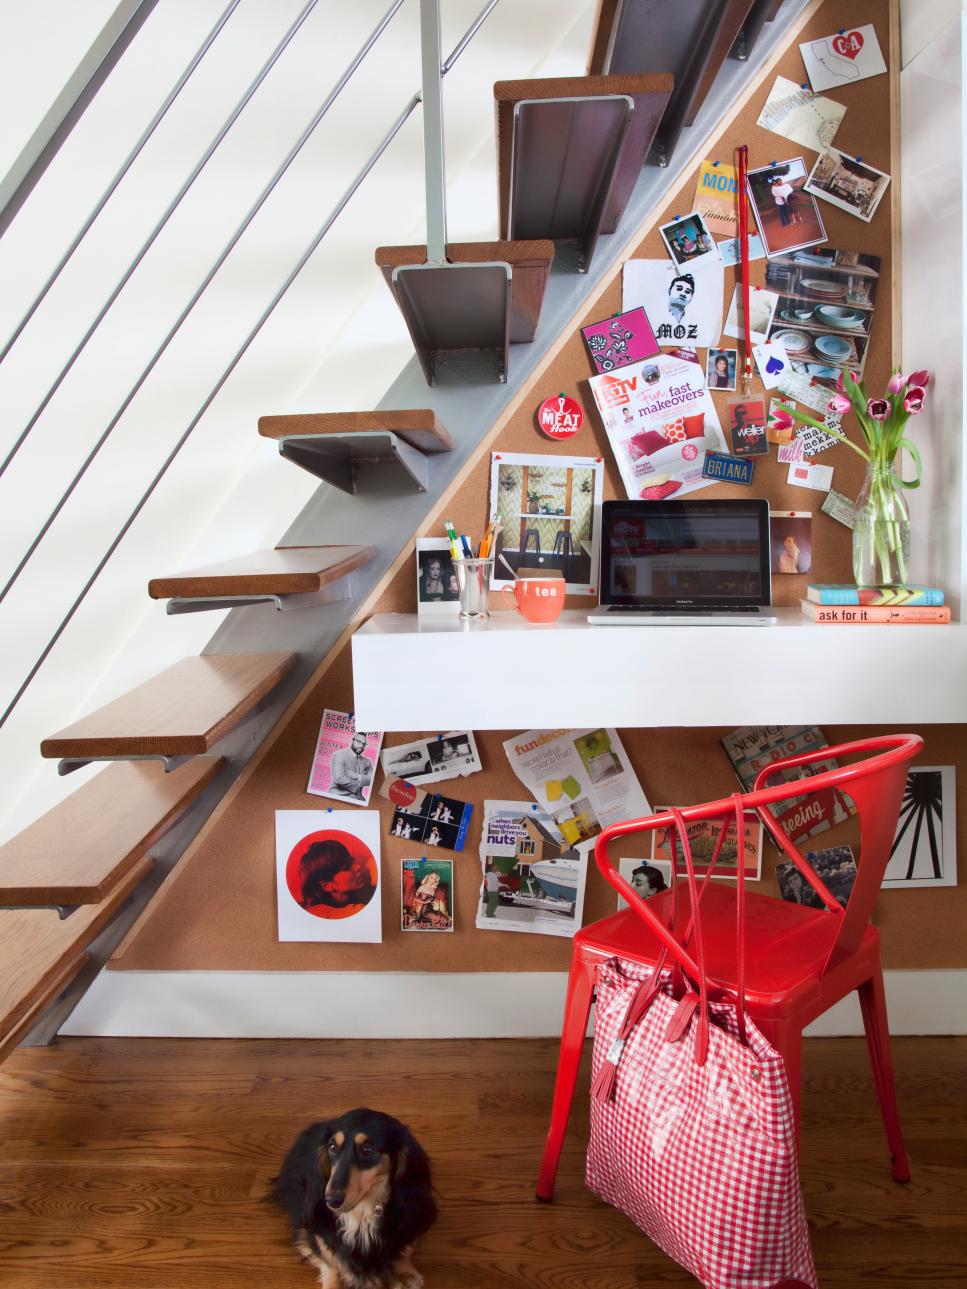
297, 1004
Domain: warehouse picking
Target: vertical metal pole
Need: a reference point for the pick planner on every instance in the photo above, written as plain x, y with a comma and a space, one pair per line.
436, 210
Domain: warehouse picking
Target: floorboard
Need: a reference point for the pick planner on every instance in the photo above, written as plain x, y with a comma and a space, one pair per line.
145, 1162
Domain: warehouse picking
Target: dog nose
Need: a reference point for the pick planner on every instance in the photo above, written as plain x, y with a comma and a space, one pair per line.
334, 1201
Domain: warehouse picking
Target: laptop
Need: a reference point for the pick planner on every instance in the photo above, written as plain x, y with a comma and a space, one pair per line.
667, 563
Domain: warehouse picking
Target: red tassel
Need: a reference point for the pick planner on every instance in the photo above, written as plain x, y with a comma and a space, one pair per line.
602, 1089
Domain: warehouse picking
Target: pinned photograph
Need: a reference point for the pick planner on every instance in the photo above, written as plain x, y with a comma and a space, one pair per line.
788, 217
428, 818
426, 894
437, 592
327, 876
684, 305
647, 877
762, 308
835, 867
848, 182
800, 116
720, 368
773, 433
837, 61
430, 760
747, 427
924, 851
688, 239
703, 836
791, 541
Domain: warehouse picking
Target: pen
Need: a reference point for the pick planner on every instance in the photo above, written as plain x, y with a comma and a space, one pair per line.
452, 535
467, 552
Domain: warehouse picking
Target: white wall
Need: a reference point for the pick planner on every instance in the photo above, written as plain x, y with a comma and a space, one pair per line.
921, 21
336, 341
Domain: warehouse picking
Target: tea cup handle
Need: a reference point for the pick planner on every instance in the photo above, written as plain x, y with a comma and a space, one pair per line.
509, 598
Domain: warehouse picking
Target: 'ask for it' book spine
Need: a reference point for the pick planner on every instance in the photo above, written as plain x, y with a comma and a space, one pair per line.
867, 615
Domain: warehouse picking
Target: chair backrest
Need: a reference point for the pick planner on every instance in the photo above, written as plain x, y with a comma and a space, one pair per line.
875, 786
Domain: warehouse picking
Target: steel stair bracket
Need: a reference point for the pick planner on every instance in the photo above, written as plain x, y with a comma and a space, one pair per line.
448, 307
336, 594
347, 460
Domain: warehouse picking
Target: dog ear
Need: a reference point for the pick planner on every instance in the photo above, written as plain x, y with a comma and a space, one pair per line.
316, 1176
412, 1194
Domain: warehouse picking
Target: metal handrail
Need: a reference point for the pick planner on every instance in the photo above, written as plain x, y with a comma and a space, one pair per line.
200, 291
239, 354
125, 166
158, 228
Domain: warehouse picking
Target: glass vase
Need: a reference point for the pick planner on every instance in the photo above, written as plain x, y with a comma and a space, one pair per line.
881, 529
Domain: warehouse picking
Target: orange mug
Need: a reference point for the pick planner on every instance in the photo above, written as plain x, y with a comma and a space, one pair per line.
537, 596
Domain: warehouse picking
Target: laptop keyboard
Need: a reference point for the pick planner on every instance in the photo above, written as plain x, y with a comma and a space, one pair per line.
696, 612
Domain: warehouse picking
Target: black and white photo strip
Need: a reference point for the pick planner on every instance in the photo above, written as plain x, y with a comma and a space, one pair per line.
847, 182
687, 239
436, 821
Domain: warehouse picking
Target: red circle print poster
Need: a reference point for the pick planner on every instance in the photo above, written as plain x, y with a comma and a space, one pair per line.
328, 875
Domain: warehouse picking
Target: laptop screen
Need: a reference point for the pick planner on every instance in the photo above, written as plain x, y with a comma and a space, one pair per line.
664, 554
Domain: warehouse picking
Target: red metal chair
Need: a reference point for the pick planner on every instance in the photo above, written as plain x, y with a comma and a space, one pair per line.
800, 960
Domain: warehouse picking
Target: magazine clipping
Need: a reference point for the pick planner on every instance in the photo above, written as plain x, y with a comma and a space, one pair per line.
581, 778
426, 894
532, 880
344, 762
431, 760
660, 421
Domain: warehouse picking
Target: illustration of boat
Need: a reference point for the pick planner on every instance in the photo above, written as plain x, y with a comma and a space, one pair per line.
558, 878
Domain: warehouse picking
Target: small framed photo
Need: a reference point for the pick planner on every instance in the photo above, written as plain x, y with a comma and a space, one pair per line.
847, 182
747, 427
647, 877
720, 368
437, 592
688, 239
787, 215
791, 541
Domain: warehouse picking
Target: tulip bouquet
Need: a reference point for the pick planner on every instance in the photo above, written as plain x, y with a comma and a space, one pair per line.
881, 529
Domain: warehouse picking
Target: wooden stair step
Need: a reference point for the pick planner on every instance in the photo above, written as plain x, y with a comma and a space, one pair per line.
38, 950
54, 988
284, 571
77, 852
183, 711
569, 152
530, 261
417, 426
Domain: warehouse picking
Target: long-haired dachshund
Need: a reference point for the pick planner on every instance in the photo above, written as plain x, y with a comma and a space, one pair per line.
358, 1194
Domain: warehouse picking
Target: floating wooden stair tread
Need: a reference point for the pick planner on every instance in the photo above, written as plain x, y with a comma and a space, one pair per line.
345, 448
570, 150
530, 263
77, 852
182, 711
39, 951
691, 41
304, 574
53, 989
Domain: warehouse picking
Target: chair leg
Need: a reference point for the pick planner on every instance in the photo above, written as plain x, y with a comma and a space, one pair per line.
873, 1006
577, 1008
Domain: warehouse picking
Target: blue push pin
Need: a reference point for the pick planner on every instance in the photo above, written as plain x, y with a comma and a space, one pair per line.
329, 810
859, 158
714, 163
804, 85
534, 806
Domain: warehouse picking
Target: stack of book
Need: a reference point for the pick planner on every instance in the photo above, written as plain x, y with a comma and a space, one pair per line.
864, 605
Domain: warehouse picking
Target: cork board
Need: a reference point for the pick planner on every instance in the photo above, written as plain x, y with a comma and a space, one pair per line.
217, 911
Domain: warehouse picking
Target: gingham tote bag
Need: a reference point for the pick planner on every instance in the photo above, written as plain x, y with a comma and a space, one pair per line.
693, 1135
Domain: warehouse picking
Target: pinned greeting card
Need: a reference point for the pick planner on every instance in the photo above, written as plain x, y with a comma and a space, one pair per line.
616, 342
850, 55
806, 475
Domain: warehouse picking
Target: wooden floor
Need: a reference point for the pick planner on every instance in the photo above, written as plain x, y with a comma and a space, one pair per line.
130, 1164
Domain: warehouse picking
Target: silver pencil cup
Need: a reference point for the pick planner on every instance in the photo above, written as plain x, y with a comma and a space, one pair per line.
473, 579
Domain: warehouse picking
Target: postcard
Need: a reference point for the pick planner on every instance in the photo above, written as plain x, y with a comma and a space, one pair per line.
683, 305
788, 216
532, 881
791, 541
703, 836
646, 877
848, 182
839, 508
747, 426
721, 366
687, 239
616, 342
581, 778
426, 894
835, 62
801, 116
428, 817
754, 747
834, 866
716, 198
731, 251
437, 592
549, 508
660, 421
431, 760
762, 308
344, 761
924, 849
772, 434
328, 876
803, 474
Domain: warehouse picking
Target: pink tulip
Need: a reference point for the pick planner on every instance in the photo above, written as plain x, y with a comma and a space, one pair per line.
878, 408
839, 404
896, 382
840, 385
782, 421
919, 378
913, 402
